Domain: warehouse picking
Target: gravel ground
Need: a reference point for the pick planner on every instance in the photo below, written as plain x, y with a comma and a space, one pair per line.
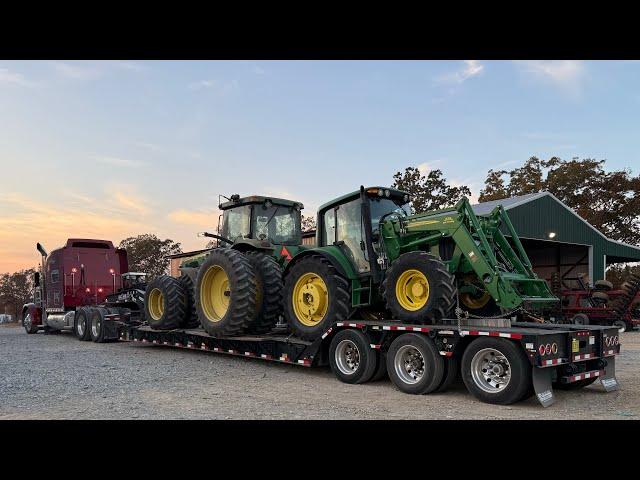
58, 377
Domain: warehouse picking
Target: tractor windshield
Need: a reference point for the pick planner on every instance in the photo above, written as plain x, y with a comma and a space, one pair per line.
236, 221
278, 224
382, 206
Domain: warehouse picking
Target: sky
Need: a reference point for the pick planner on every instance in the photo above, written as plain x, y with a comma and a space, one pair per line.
112, 149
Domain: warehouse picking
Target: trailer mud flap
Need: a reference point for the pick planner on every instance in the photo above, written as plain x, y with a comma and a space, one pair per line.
542, 386
608, 380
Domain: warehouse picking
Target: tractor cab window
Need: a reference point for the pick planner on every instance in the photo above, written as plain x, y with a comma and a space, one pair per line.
350, 231
236, 222
382, 206
278, 224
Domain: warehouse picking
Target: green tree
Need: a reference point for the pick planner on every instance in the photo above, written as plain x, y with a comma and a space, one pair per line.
148, 254
308, 223
428, 192
16, 289
610, 201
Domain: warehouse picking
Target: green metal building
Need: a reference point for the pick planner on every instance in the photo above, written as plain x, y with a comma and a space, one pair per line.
558, 241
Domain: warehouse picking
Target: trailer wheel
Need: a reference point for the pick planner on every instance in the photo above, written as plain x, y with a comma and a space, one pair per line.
496, 370
27, 323
269, 292
351, 357
315, 296
226, 293
580, 319
165, 303
574, 385
191, 317
451, 370
96, 324
621, 325
414, 364
81, 325
418, 288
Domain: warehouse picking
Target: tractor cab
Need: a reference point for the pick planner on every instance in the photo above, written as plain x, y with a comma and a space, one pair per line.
258, 218
131, 279
352, 222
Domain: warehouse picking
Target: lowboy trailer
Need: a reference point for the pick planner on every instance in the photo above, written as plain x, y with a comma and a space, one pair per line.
500, 365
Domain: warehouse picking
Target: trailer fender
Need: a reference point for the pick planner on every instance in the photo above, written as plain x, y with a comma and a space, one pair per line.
541, 378
35, 311
608, 380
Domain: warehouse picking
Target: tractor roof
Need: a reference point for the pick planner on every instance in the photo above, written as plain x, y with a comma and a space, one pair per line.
258, 199
394, 191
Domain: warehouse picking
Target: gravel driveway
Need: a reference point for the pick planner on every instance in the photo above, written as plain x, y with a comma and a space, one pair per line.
58, 377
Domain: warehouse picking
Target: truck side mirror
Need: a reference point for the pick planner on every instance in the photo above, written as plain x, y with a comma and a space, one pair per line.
36, 279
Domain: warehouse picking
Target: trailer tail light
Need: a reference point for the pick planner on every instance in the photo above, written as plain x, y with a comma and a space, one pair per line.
541, 349
548, 349
87, 290
100, 290
74, 270
111, 271
611, 341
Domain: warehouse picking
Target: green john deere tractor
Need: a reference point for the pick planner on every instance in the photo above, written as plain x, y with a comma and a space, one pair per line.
373, 258
235, 287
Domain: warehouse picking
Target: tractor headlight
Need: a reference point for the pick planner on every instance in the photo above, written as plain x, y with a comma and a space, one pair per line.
406, 198
387, 193
380, 193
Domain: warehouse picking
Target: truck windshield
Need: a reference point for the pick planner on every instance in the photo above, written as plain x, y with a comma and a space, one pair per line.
278, 224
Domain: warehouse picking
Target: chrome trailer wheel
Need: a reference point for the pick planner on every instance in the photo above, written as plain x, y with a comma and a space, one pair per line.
490, 370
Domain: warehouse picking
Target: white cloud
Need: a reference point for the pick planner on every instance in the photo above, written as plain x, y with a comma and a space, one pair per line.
120, 162
75, 71
566, 74
14, 78
426, 167
222, 88
471, 68
202, 84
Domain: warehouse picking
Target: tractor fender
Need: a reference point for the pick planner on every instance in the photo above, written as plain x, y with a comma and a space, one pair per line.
249, 245
34, 310
333, 254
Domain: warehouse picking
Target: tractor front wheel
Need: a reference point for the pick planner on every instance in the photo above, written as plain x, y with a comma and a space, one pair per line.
418, 288
315, 296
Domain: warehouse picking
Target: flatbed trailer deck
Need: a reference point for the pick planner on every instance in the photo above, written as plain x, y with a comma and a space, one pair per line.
561, 356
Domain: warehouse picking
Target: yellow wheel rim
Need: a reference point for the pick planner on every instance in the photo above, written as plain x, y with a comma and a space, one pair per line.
412, 290
215, 293
310, 299
474, 301
156, 304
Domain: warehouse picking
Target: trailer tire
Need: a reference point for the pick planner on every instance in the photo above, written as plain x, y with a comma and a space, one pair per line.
451, 370
165, 303
191, 316
509, 359
414, 364
314, 280
351, 357
81, 325
269, 292
226, 293
418, 287
580, 319
96, 324
574, 385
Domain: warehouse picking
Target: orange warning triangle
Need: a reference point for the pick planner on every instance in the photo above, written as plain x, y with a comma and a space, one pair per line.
285, 253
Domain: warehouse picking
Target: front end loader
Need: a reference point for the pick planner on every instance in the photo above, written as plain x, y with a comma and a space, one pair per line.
376, 259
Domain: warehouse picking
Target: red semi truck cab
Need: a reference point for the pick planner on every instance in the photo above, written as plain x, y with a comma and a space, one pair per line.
82, 272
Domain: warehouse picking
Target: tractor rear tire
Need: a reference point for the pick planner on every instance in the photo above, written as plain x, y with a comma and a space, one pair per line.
414, 364
269, 292
497, 358
226, 293
165, 303
315, 296
600, 296
603, 285
418, 288
191, 317
81, 324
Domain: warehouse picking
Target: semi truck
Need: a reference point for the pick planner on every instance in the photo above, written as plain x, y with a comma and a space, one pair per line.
502, 357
